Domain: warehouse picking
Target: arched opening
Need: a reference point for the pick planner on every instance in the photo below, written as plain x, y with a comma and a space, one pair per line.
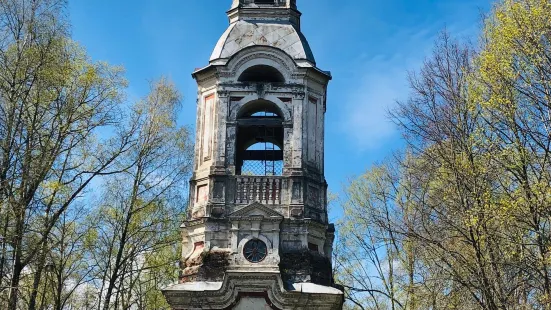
262, 73
258, 109
259, 143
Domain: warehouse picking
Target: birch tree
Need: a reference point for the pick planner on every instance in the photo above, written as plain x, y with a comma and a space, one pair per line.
52, 101
142, 207
470, 201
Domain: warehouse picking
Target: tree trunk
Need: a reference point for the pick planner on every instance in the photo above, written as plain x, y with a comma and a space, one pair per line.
38, 276
18, 264
14, 284
114, 274
3, 239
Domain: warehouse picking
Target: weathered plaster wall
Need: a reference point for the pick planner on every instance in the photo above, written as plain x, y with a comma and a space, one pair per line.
288, 213
252, 303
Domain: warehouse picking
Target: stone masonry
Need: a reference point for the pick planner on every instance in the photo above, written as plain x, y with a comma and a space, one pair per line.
257, 234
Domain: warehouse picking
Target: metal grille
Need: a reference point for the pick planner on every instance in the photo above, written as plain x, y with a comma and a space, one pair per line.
262, 167
267, 165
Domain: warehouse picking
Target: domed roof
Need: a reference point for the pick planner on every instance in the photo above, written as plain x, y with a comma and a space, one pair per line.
243, 33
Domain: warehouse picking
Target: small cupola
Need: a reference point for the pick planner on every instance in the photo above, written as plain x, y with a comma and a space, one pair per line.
265, 10
263, 3
274, 23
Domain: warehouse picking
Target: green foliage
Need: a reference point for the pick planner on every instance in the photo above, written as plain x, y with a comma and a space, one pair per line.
56, 105
137, 241
462, 220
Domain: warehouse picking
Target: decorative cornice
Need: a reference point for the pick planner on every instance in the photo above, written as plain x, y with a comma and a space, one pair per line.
315, 92
243, 214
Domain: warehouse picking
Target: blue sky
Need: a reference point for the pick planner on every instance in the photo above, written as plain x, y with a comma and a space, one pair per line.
368, 45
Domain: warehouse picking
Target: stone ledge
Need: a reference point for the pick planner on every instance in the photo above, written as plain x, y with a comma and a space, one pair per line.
311, 288
195, 287
226, 294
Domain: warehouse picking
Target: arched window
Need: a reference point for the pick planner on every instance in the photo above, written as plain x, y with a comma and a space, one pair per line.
262, 73
259, 143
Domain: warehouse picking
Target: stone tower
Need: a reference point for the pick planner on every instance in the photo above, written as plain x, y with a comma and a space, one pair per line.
257, 234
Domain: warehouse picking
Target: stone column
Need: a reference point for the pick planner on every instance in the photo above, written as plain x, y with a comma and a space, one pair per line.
297, 144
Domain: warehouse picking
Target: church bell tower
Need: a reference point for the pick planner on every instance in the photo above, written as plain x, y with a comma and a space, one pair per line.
257, 234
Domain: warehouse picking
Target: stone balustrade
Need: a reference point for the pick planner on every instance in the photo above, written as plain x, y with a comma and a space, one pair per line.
264, 189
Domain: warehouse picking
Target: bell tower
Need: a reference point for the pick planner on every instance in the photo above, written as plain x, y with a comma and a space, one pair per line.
257, 234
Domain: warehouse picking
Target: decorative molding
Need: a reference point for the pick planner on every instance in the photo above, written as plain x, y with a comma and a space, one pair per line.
260, 90
315, 92
258, 55
238, 105
299, 95
234, 282
207, 77
244, 212
223, 93
236, 98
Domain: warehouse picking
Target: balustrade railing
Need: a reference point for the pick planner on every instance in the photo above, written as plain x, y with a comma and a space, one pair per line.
266, 190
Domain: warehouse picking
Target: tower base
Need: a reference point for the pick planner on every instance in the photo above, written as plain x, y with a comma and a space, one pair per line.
253, 291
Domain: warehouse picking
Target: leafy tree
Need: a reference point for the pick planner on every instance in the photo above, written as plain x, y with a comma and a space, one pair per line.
514, 89
52, 101
140, 208
55, 104
462, 220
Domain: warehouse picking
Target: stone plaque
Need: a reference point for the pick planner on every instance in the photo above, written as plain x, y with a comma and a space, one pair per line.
297, 187
314, 196
218, 190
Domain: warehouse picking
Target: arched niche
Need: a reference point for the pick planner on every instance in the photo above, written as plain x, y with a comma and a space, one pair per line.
251, 103
261, 74
259, 108
261, 57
